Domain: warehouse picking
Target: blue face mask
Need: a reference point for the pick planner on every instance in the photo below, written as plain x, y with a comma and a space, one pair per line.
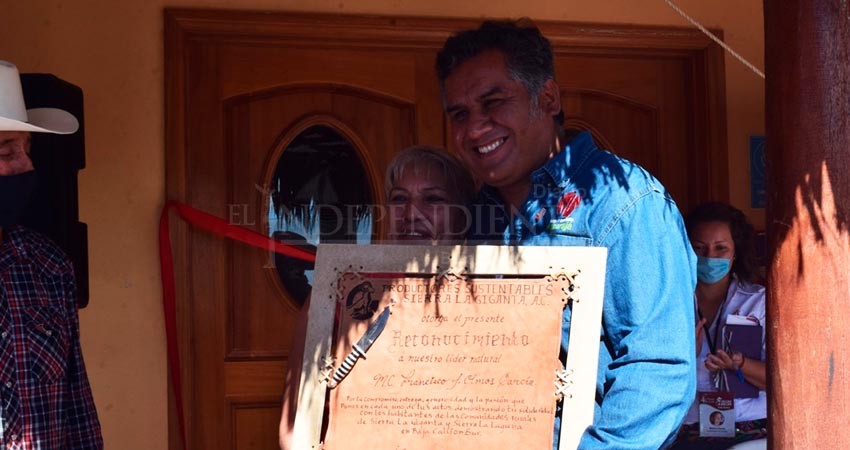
712, 270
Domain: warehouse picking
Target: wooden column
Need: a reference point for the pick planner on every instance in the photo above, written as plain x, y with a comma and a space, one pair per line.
807, 44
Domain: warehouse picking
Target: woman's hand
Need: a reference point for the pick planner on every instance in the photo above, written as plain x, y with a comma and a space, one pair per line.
754, 371
720, 360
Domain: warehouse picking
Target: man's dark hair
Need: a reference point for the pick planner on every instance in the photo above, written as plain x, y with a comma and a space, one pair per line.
743, 235
528, 54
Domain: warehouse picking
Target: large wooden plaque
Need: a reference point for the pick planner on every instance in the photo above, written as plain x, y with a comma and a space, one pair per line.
469, 355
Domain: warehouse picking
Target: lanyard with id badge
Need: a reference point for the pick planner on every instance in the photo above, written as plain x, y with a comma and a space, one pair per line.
716, 408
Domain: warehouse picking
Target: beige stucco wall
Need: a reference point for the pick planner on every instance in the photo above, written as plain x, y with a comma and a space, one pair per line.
114, 51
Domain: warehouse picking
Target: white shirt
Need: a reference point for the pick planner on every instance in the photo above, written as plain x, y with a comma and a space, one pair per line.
742, 299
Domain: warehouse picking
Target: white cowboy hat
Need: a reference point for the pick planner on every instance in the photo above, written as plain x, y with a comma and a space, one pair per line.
15, 117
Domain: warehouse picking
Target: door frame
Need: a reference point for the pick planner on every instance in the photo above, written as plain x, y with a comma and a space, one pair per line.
186, 29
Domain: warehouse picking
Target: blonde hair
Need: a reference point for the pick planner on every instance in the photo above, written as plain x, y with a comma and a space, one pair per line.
457, 176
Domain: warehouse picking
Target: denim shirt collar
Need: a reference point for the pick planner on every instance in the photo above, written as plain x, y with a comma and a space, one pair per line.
561, 167
558, 171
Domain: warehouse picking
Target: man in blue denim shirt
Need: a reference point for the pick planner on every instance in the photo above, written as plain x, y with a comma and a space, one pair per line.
546, 187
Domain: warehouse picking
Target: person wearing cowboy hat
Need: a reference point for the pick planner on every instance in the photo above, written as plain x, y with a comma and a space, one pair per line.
46, 399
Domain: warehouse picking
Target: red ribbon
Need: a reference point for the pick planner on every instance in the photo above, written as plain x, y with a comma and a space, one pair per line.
218, 227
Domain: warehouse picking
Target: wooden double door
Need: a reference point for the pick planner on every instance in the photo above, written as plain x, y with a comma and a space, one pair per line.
245, 96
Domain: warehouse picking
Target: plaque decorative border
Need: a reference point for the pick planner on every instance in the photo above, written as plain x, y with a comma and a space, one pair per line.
583, 266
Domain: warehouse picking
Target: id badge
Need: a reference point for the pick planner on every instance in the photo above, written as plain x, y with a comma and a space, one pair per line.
716, 414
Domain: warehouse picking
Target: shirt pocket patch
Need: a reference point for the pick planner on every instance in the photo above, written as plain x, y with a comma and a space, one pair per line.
47, 344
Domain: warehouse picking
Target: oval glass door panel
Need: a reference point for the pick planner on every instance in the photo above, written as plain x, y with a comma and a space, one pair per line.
319, 193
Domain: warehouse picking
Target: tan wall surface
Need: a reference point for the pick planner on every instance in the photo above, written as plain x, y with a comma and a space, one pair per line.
114, 51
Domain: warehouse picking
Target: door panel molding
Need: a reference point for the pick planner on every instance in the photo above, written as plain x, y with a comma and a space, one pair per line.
319, 30
579, 102
245, 286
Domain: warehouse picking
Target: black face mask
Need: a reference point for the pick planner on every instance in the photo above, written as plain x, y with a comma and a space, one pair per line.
16, 191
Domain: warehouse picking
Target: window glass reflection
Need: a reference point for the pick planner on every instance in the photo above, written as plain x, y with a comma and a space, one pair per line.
319, 193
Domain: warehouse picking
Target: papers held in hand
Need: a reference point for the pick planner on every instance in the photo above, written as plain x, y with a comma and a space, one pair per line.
742, 334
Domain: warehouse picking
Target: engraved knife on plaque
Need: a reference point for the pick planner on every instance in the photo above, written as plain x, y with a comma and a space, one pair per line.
360, 348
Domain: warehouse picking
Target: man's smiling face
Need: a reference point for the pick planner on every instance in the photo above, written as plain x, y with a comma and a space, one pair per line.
501, 134
14, 153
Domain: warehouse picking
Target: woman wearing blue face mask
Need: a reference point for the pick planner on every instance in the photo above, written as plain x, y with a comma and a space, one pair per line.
724, 243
